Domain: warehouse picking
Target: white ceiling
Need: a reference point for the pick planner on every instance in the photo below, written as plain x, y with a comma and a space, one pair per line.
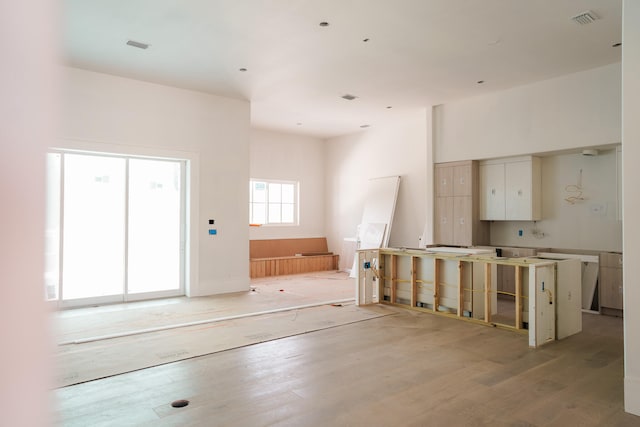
418, 53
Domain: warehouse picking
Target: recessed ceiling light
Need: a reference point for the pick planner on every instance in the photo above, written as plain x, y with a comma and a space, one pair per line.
324, 24
480, 82
242, 69
617, 44
139, 45
348, 97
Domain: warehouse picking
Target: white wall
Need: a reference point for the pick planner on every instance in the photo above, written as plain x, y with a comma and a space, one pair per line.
107, 113
395, 148
283, 156
576, 110
631, 209
28, 79
589, 224
564, 113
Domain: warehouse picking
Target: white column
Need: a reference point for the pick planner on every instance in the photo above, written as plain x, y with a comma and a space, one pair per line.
631, 201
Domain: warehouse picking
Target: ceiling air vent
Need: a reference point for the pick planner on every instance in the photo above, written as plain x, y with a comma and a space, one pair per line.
585, 18
139, 45
349, 97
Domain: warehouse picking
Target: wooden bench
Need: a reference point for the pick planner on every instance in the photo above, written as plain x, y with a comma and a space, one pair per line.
276, 257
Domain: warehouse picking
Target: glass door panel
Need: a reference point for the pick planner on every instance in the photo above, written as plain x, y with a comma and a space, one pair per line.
93, 226
154, 227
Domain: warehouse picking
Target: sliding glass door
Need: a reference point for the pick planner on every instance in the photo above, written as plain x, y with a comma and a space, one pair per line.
154, 246
121, 228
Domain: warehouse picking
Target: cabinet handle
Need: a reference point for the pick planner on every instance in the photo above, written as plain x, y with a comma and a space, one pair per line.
519, 192
493, 191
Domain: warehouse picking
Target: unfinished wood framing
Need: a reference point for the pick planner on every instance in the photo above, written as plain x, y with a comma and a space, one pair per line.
487, 293
518, 297
414, 287
436, 284
463, 287
460, 289
394, 279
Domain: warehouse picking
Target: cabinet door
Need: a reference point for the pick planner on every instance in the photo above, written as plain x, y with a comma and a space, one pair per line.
444, 181
492, 203
462, 221
444, 221
518, 191
462, 180
611, 287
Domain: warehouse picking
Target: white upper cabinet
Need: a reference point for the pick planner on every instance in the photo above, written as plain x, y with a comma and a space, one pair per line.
492, 202
510, 189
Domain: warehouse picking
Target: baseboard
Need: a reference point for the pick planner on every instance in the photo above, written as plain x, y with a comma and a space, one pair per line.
220, 286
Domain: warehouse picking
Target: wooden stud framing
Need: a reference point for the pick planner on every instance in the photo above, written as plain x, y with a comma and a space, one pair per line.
487, 292
402, 261
460, 288
414, 285
381, 277
436, 284
394, 279
518, 297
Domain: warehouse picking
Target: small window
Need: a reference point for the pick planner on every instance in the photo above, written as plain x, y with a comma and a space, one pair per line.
273, 202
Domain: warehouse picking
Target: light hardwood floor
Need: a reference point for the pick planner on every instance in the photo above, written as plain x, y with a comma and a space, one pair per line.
407, 369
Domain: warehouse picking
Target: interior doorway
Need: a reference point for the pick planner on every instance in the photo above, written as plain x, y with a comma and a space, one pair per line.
115, 228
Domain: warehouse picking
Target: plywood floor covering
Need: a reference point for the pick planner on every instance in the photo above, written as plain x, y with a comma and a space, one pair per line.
406, 369
268, 293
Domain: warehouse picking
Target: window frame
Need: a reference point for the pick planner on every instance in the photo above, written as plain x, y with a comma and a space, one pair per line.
296, 202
